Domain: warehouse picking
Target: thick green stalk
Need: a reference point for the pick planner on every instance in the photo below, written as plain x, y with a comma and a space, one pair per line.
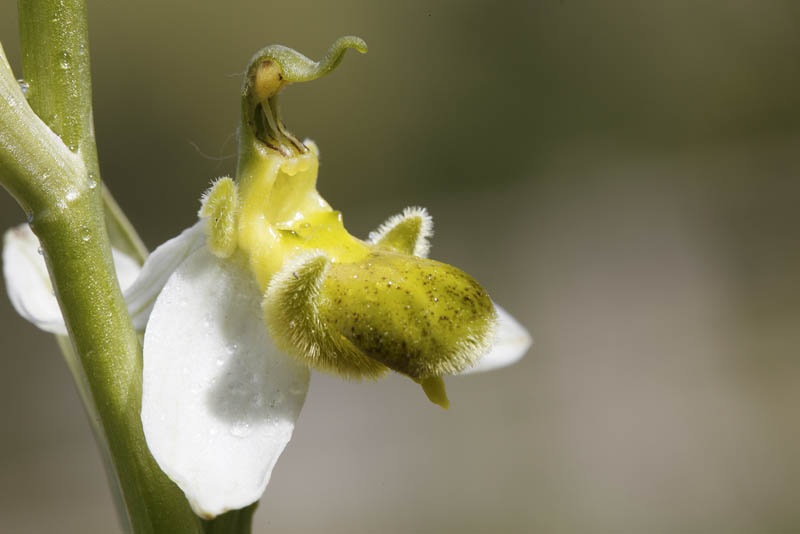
78, 255
66, 212
55, 179
234, 522
55, 60
123, 236
76, 371
56, 183
35, 167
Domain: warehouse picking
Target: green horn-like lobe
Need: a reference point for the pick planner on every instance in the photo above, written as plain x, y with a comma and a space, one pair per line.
408, 232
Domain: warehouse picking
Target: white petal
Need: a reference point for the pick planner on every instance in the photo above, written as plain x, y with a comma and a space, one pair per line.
28, 284
126, 267
158, 267
511, 343
219, 400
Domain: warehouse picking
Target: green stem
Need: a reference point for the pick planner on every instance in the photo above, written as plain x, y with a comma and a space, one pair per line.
123, 236
51, 169
55, 60
56, 183
30, 152
234, 522
78, 254
76, 371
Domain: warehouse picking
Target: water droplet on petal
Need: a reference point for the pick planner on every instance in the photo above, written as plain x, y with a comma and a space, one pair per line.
241, 429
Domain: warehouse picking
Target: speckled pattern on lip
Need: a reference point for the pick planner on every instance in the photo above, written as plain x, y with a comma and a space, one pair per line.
417, 316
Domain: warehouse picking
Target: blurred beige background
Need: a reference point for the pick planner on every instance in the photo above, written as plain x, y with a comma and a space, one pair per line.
624, 177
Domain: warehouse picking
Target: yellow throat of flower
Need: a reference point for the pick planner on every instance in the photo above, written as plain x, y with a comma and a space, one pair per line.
283, 215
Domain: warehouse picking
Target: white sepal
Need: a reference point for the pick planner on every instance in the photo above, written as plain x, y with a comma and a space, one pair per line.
158, 267
28, 284
511, 342
127, 269
219, 400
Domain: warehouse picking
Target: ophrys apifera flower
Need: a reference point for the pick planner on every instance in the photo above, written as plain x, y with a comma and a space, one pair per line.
269, 284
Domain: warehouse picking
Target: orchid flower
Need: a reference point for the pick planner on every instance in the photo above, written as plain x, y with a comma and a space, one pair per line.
268, 285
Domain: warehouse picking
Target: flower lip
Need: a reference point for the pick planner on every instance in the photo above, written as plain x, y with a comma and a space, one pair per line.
416, 316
